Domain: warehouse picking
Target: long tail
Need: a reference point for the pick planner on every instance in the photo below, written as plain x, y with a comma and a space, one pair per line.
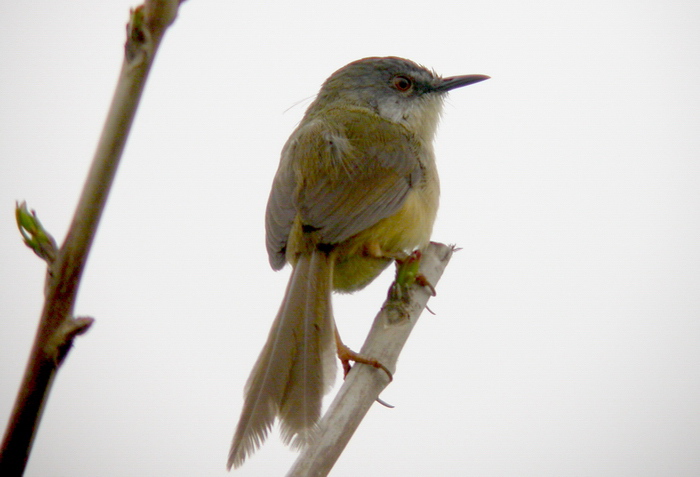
296, 367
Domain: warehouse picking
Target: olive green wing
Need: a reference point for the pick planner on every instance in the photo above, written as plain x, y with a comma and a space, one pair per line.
340, 175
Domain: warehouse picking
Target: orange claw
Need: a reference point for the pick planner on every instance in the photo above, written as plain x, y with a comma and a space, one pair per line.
421, 280
346, 355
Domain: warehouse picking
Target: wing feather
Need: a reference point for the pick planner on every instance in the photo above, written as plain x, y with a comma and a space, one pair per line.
340, 176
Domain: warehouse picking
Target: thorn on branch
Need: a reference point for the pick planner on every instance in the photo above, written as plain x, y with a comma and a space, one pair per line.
63, 338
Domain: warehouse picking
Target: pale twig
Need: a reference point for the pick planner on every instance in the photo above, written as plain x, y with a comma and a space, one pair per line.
57, 326
386, 339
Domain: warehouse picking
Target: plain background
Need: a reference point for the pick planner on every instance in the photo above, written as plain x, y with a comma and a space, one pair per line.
567, 334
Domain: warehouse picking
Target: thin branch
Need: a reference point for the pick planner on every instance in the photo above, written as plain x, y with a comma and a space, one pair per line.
57, 327
386, 339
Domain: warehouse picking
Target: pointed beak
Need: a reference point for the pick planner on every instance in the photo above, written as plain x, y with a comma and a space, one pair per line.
446, 84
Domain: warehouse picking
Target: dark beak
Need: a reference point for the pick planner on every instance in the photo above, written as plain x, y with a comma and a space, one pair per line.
446, 84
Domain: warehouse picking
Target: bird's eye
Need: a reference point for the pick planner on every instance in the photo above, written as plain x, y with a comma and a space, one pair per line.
401, 83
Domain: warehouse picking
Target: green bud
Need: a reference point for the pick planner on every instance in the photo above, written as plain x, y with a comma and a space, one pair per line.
34, 234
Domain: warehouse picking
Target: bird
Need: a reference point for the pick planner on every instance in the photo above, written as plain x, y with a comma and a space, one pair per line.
356, 189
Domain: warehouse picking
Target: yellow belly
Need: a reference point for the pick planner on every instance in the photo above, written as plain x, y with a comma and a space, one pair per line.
411, 227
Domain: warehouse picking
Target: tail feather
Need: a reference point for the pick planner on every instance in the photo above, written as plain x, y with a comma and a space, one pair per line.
296, 366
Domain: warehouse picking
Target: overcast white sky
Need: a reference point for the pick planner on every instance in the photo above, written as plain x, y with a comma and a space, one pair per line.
567, 335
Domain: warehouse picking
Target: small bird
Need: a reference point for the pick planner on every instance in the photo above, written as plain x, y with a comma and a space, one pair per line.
356, 188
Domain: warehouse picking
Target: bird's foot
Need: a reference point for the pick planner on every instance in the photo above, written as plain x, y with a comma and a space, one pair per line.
406, 275
346, 355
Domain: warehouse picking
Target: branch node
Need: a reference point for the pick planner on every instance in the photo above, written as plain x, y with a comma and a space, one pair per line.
138, 38
146, 26
395, 311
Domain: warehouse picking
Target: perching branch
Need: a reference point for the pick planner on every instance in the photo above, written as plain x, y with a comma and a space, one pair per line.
57, 326
389, 333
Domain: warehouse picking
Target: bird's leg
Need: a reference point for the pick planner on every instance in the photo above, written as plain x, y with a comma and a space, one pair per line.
406, 270
346, 355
